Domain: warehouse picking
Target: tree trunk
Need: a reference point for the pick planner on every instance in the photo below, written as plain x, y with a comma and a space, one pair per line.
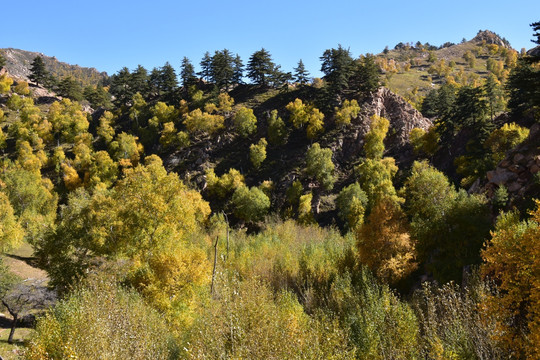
13, 326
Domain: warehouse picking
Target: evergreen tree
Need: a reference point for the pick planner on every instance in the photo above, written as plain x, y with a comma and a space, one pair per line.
138, 82
301, 75
260, 67
187, 72
494, 95
154, 82
222, 69
238, 70
120, 87
70, 88
38, 72
2, 61
206, 67
98, 97
168, 83
337, 66
366, 77
536, 27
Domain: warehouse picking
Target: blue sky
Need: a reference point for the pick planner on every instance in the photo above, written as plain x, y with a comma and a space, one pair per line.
111, 34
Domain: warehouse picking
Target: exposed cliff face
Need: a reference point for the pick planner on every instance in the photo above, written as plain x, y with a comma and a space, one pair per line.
402, 117
518, 172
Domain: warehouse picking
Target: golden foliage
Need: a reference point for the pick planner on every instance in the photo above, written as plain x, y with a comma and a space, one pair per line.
384, 243
201, 122
348, 111
11, 231
512, 259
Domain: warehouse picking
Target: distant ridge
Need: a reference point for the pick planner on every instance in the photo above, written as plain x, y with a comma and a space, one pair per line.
18, 65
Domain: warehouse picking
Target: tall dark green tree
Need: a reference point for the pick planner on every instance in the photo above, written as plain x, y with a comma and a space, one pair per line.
523, 88
222, 69
536, 27
337, 66
98, 97
494, 95
260, 67
70, 88
187, 72
120, 87
238, 70
138, 82
301, 75
206, 67
168, 84
366, 77
154, 82
523, 85
38, 71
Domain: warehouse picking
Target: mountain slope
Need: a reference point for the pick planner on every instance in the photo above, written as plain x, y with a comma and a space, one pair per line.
18, 65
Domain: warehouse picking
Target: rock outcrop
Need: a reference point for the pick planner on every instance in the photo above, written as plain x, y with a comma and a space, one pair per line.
403, 117
490, 38
517, 172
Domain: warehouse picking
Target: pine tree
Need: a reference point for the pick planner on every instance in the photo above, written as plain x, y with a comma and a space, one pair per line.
301, 75
138, 81
38, 72
206, 67
238, 70
187, 72
260, 67
2, 61
120, 87
366, 78
222, 70
169, 83
70, 88
337, 66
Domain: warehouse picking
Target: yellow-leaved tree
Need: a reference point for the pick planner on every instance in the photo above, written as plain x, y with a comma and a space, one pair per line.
146, 220
11, 231
512, 260
384, 243
306, 115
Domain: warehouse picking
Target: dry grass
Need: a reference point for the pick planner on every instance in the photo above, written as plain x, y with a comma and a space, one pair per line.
21, 262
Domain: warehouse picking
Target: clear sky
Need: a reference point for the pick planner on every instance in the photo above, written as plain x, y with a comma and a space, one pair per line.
109, 35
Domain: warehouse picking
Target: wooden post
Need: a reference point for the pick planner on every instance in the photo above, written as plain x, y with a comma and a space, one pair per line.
214, 270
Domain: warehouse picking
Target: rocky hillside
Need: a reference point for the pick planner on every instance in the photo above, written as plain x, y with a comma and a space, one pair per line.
285, 164
519, 173
18, 65
414, 69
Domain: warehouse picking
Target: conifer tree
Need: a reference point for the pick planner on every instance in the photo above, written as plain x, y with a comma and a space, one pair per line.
138, 81
366, 77
187, 72
70, 88
222, 70
301, 75
120, 87
206, 67
337, 66
238, 70
260, 67
2, 61
38, 72
168, 83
